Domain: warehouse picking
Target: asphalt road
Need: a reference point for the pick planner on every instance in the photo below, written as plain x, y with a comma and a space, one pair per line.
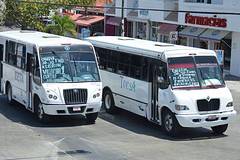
120, 137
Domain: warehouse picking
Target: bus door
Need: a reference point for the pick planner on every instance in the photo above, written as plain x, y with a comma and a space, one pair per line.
160, 83
154, 95
30, 68
1, 60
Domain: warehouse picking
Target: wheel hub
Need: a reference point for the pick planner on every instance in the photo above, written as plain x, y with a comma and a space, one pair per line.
168, 122
107, 101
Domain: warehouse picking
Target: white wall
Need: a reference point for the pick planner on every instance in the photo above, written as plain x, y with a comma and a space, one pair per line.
235, 55
153, 4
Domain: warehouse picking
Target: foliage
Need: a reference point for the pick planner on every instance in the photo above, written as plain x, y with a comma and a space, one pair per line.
62, 25
2, 8
28, 15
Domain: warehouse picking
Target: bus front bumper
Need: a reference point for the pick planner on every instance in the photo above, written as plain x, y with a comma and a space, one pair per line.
61, 109
206, 120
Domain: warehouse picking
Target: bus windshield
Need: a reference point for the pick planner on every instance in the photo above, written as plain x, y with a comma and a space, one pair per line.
66, 66
195, 72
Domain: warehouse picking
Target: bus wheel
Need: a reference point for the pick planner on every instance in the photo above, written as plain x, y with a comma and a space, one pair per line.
42, 117
108, 102
220, 129
170, 123
91, 117
9, 94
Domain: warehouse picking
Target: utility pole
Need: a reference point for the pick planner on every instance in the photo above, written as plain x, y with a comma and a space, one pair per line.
122, 22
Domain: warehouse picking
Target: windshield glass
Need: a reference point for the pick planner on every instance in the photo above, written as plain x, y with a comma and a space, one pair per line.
66, 65
195, 72
209, 71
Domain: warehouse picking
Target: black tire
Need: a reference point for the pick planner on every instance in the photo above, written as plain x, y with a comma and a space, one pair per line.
42, 117
91, 117
170, 124
9, 94
219, 129
108, 102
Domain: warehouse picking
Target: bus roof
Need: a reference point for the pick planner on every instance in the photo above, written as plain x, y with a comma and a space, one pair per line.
40, 38
146, 48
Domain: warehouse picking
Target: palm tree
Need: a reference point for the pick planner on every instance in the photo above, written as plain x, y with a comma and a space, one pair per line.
62, 25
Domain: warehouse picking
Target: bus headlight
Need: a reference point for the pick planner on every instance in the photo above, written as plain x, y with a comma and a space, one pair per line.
96, 95
181, 107
52, 95
230, 104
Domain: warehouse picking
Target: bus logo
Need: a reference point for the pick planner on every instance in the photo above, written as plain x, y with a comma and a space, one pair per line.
66, 48
208, 98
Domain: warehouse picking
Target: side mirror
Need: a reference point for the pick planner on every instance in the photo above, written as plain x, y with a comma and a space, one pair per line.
162, 83
160, 79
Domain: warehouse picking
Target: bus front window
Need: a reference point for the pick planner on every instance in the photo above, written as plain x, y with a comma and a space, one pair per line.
68, 66
209, 72
183, 73
195, 72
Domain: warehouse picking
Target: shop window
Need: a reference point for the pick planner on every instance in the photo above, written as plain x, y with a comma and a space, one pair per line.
155, 30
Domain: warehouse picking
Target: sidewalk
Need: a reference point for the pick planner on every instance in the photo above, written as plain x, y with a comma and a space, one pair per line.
232, 82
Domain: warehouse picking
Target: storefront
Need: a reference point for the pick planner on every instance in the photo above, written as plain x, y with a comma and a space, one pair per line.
112, 26
212, 35
163, 32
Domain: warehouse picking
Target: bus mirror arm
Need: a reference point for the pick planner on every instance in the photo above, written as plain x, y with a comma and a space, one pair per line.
33, 61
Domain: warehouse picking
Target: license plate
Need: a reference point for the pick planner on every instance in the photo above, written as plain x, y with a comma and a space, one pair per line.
212, 117
75, 109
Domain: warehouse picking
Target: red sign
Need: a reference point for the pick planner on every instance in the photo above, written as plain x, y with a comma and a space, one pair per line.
206, 21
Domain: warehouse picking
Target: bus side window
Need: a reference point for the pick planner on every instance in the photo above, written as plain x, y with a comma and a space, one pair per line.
123, 64
112, 61
145, 69
21, 56
102, 57
136, 67
11, 53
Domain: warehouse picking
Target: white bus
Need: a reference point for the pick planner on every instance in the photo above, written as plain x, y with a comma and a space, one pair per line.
50, 74
173, 86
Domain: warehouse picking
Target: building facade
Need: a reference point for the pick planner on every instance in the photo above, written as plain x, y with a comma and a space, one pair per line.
210, 31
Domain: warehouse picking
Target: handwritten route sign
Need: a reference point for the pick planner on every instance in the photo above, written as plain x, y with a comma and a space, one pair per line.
184, 77
51, 66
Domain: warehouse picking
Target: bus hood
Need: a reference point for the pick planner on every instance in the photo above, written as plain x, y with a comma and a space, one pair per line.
56, 89
189, 98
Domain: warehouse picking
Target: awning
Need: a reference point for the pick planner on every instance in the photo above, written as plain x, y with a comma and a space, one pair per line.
191, 32
86, 21
213, 34
167, 28
115, 21
75, 17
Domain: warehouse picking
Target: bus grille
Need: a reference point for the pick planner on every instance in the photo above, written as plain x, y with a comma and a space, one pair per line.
211, 105
75, 96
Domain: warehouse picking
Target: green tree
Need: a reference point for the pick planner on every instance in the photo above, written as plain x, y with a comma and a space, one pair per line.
28, 15
62, 25
2, 8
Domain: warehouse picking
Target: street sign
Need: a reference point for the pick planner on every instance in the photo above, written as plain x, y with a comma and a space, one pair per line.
220, 56
173, 36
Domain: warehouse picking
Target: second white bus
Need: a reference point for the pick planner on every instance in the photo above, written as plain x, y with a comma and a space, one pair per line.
173, 86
